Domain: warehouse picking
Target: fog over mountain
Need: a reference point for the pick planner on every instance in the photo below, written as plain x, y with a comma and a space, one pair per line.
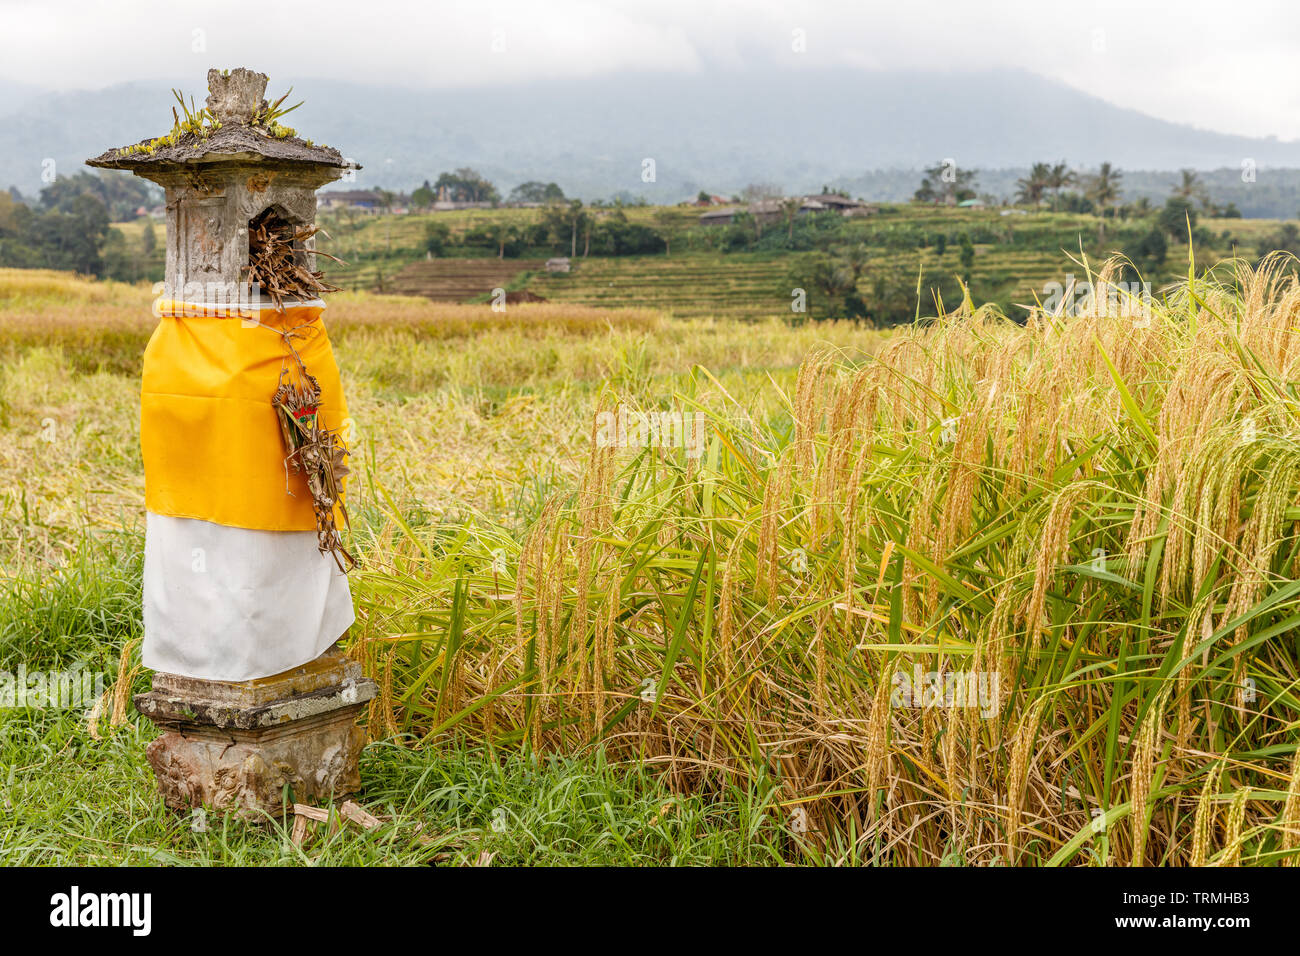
714, 130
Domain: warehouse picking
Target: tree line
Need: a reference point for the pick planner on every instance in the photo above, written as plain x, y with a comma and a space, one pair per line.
68, 227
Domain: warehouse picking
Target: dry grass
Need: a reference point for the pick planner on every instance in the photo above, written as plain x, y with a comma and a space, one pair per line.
459, 410
105, 325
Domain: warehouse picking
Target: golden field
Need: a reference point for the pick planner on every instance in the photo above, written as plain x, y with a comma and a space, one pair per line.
1092, 518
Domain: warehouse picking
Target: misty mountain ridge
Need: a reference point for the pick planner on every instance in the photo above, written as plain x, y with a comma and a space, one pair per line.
865, 131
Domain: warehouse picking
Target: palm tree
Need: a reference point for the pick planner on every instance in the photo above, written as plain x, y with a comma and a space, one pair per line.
1032, 187
790, 207
386, 200
502, 235
855, 259
665, 220
1191, 185
1104, 188
1058, 177
577, 217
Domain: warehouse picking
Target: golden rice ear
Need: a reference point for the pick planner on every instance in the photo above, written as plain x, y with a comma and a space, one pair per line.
1142, 771
1233, 836
121, 691
1291, 815
1027, 734
1206, 817
877, 737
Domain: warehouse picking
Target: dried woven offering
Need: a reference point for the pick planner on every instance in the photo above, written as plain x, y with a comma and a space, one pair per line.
316, 452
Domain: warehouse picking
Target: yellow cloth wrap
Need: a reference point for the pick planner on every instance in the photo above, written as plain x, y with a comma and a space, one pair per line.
209, 435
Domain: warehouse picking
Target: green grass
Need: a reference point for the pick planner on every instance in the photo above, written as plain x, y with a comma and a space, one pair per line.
70, 800
83, 610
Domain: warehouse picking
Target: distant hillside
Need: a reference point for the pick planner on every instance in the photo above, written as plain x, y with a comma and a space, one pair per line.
715, 131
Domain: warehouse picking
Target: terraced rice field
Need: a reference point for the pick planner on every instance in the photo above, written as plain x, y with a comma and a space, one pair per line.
739, 285
459, 280
736, 285
386, 254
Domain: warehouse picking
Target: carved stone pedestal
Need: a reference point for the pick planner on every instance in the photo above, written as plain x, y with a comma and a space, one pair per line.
234, 745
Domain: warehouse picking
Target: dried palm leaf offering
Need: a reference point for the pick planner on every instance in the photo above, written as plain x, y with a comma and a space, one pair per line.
310, 449
316, 452
273, 261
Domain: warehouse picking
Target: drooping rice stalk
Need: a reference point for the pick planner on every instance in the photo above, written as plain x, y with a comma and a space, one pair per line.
1012, 592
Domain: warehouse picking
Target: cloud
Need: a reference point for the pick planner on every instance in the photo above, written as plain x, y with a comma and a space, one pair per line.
1230, 69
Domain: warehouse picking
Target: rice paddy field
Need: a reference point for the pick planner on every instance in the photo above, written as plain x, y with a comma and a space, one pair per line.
752, 285
966, 593
1015, 256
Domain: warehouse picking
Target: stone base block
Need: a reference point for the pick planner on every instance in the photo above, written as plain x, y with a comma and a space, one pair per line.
235, 745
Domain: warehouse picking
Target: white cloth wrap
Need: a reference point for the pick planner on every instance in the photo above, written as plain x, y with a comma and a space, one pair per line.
236, 604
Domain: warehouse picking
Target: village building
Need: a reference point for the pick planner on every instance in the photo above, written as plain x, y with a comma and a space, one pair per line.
719, 217
773, 210
860, 212
444, 202
838, 203
359, 200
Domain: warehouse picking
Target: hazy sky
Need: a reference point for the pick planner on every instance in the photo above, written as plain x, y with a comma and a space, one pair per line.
1232, 67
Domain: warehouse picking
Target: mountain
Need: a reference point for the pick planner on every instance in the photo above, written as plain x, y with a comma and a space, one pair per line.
712, 130
14, 95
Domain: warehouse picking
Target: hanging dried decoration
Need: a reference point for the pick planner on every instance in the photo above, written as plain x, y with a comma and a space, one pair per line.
316, 452
310, 449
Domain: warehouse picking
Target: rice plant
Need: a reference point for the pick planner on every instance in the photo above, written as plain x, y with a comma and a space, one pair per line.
996, 593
